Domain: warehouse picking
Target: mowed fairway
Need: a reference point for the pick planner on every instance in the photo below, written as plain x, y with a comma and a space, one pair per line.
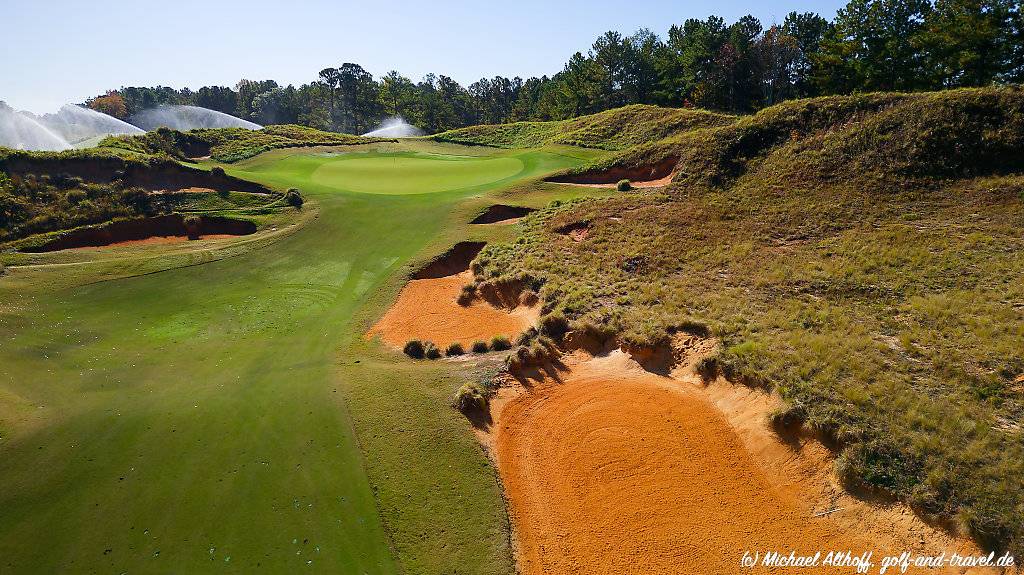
204, 418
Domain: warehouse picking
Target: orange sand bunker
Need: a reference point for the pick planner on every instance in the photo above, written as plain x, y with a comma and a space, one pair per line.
618, 470
638, 184
427, 310
157, 241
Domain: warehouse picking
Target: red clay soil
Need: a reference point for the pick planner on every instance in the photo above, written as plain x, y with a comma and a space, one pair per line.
617, 470
427, 310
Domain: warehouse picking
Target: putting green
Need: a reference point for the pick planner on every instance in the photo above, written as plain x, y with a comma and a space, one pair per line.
205, 418
412, 174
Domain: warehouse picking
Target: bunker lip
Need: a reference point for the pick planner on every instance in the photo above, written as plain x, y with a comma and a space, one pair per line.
453, 261
608, 466
427, 308
634, 183
139, 229
501, 213
650, 175
578, 231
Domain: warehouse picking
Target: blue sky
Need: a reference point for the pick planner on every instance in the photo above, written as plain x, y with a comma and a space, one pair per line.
63, 51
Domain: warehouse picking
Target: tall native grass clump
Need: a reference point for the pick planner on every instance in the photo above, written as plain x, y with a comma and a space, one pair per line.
500, 343
431, 351
294, 198
414, 348
471, 398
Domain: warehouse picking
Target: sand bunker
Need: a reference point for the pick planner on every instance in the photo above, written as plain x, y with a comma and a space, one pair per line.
454, 261
578, 231
500, 213
158, 241
618, 470
641, 184
159, 229
650, 176
427, 307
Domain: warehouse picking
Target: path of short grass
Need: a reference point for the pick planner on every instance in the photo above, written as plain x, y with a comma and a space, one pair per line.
203, 418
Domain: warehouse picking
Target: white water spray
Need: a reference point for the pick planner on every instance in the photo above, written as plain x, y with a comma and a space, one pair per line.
22, 131
395, 127
78, 125
188, 118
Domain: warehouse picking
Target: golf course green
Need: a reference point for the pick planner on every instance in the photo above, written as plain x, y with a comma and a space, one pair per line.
413, 173
230, 416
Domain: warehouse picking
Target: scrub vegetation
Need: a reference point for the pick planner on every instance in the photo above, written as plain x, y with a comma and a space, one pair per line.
51, 192
871, 137
34, 205
861, 255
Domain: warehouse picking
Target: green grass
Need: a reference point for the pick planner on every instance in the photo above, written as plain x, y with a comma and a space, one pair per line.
616, 129
228, 144
200, 418
861, 255
412, 173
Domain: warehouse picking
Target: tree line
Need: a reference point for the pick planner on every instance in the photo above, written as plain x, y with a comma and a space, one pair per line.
871, 45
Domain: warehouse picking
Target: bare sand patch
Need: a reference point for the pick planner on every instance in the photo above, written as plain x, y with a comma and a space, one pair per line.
578, 231
428, 309
641, 184
152, 230
158, 241
502, 214
614, 469
645, 176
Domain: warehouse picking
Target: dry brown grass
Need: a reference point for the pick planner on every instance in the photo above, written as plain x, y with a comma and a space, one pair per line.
878, 286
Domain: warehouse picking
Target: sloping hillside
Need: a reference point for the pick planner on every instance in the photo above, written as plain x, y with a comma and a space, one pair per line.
861, 255
229, 144
866, 137
611, 130
44, 192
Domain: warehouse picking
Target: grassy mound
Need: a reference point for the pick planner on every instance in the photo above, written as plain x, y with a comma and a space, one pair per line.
869, 137
48, 192
611, 130
861, 255
229, 144
36, 205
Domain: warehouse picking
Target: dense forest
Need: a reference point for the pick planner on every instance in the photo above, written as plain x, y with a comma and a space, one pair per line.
871, 45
